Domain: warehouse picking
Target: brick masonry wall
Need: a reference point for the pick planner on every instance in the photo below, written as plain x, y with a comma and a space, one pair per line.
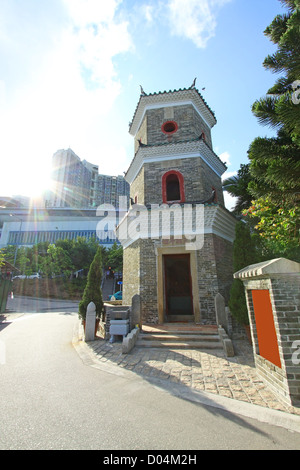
215, 271
141, 135
140, 277
131, 272
223, 250
285, 301
199, 180
285, 297
190, 125
137, 188
148, 280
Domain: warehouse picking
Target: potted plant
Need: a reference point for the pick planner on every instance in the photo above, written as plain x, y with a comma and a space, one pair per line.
92, 291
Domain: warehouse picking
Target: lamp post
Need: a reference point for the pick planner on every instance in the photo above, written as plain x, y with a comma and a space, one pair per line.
17, 247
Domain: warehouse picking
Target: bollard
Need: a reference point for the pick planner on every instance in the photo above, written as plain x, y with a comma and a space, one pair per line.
90, 322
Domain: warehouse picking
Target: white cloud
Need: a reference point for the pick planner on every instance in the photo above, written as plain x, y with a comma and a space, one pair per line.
228, 174
229, 201
195, 19
148, 11
62, 100
99, 37
225, 157
86, 12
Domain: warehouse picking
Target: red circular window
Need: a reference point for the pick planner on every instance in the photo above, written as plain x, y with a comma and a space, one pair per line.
169, 127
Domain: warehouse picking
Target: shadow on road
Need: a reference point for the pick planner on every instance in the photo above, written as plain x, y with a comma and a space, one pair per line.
171, 385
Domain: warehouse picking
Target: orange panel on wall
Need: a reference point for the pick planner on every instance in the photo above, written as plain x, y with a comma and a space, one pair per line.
265, 327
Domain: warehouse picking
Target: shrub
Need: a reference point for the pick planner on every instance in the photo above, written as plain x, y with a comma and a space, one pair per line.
92, 291
244, 254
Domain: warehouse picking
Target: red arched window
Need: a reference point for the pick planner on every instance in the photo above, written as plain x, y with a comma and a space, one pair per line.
173, 187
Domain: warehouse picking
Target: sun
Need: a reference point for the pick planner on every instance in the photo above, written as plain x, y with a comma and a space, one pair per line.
33, 186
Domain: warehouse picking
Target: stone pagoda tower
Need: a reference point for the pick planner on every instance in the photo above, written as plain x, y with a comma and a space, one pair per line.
177, 235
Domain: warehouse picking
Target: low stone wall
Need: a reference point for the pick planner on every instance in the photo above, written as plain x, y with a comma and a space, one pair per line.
273, 300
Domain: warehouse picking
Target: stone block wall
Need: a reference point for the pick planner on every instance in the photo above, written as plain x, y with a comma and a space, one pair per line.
190, 125
148, 282
140, 277
283, 285
214, 274
137, 188
199, 180
141, 135
131, 272
223, 250
215, 270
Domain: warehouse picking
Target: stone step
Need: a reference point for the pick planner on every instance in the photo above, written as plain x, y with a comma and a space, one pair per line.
185, 337
179, 344
180, 340
179, 336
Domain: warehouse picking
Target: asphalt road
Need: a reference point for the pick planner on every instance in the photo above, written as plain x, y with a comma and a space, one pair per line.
50, 399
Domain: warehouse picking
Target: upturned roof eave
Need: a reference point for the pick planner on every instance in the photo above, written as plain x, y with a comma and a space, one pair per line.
195, 141
135, 120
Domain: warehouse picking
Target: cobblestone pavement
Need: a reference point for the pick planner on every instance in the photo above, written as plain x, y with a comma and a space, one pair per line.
208, 371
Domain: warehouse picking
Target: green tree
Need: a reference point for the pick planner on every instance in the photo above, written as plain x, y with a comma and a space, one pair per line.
9, 253
237, 186
275, 168
23, 261
58, 262
92, 291
278, 227
278, 109
2, 257
115, 257
244, 254
81, 254
275, 162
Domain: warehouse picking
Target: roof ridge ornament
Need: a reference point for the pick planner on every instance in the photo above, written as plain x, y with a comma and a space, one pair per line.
142, 91
194, 83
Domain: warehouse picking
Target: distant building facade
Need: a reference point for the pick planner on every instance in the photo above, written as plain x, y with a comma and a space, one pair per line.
29, 226
78, 184
69, 210
71, 181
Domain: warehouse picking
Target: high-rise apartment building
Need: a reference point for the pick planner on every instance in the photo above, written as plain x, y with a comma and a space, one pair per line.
110, 188
71, 180
77, 183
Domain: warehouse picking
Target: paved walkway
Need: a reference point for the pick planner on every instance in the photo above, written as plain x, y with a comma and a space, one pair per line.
190, 373
205, 371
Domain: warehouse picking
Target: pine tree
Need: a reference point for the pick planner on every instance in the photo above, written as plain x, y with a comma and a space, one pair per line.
275, 168
275, 162
237, 186
278, 109
92, 291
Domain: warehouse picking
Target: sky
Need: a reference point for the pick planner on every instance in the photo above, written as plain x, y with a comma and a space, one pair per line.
71, 70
